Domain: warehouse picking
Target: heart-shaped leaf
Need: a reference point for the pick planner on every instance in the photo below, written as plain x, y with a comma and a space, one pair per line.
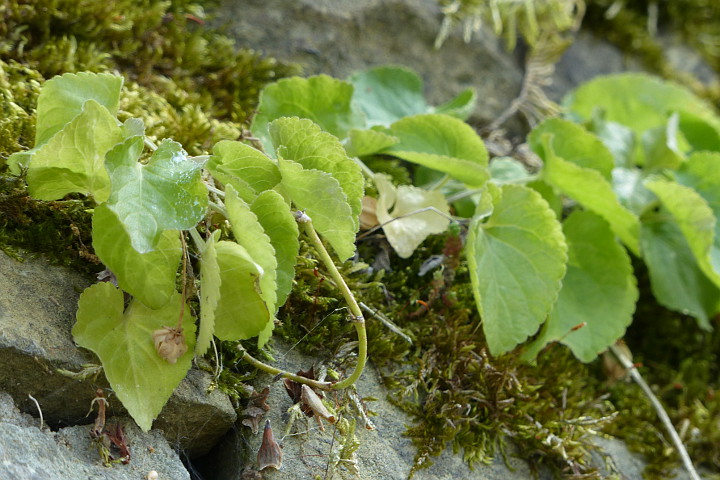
141, 379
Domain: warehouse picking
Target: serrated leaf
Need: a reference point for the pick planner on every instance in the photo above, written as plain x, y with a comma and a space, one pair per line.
166, 193
696, 220
149, 277
599, 291
302, 141
245, 168
279, 224
368, 142
590, 188
323, 199
323, 99
74, 159
574, 144
386, 94
407, 233
442, 143
210, 282
676, 280
241, 311
141, 379
516, 260
250, 234
637, 100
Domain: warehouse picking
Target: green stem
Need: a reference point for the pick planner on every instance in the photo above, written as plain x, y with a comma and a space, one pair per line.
283, 374
217, 208
357, 315
197, 239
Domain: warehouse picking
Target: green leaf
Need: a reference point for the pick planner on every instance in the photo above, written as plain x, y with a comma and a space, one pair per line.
323, 99
599, 291
676, 280
409, 229
323, 199
547, 192
248, 170
696, 220
461, 106
508, 170
74, 159
141, 379
591, 189
661, 148
702, 173
166, 193
387, 94
62, 98
250, 234
629, 186
638, 101
368, 142
210, 282
279, 224
149, 277
516, 260
133, 127
241, 311
618, 139
442, 143
302, 141
700, 134
574, 144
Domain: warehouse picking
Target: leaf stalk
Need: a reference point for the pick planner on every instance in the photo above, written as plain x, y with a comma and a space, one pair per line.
356, 313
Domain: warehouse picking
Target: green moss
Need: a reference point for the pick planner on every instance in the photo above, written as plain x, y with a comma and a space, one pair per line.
184, 80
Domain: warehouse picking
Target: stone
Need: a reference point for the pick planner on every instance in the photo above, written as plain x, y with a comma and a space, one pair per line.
338, 37
29, 453
385, 453
37, 310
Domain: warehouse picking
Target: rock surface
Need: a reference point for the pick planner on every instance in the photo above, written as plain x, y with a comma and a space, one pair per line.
29, 453
37, 310
338, 37
384, 453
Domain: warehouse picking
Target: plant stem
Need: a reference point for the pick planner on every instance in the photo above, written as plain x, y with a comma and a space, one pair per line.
183, 300
197, 239
662, 414
357, 315
218, 208
283, 374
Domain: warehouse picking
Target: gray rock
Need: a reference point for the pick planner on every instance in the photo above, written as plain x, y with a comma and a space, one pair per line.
37, 310
29, 453
338, 37
589, 57
385, 453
